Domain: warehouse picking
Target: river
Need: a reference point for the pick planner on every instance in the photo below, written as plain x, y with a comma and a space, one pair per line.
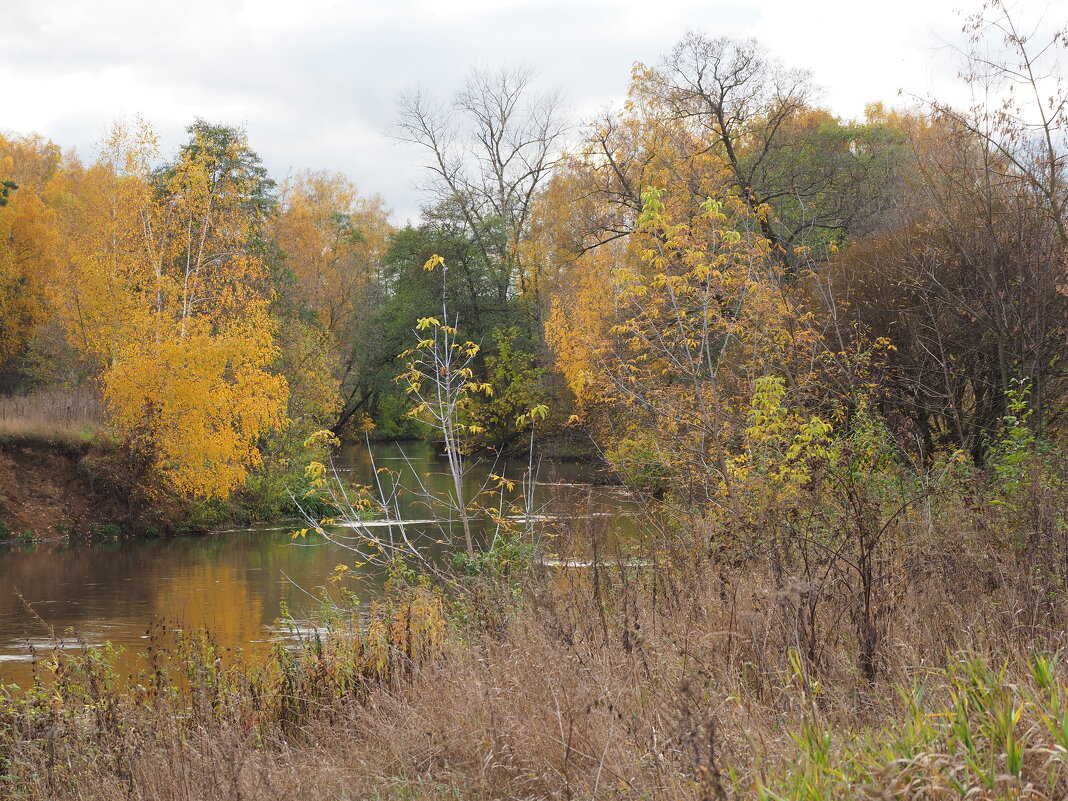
237, 583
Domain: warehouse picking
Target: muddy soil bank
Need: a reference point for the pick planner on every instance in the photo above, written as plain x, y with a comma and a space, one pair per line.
56, 489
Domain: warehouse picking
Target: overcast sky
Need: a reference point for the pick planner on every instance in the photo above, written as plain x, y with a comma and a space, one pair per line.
315, 82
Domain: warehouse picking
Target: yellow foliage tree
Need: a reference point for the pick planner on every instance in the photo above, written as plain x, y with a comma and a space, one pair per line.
198, 403
333, 239
584, 223
702, 317
166, 289
101, 295
27, 240
668, 302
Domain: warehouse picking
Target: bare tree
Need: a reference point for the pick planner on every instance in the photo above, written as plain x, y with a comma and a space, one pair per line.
488, 151
737, 99
1021, 106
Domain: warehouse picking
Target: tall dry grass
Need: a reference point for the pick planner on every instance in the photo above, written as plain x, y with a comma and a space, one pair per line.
70, 415
680, 677
877, 634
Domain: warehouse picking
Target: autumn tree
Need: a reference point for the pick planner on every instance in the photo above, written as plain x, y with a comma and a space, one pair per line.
715, 119
663, 344
332, 240
585, 222
165, 287
721, 111
27, 240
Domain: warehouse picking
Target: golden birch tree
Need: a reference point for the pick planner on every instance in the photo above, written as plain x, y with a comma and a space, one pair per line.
167, 289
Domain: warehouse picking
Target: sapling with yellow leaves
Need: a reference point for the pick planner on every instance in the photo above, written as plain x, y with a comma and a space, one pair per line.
780, 447
440, 379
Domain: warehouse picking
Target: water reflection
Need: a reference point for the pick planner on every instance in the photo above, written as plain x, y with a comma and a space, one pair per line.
234, 583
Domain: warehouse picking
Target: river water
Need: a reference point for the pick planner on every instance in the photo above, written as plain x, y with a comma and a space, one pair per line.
237, 584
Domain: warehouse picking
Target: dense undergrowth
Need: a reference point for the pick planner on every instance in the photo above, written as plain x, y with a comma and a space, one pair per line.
703, 669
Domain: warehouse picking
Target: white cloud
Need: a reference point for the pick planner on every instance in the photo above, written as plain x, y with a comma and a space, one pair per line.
315, 81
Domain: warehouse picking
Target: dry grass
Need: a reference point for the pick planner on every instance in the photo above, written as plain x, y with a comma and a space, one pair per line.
687, 677
68, 415
677, 693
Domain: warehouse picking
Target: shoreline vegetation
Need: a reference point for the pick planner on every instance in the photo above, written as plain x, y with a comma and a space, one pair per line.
69, 482
824, 356
63, 476
679, 677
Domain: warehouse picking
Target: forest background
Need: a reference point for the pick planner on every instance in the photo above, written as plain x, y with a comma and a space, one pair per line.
826, 356
637, 275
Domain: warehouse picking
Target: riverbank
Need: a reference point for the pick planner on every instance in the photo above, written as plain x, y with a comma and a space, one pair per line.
51, 488
238, 579
759, 652
54, 487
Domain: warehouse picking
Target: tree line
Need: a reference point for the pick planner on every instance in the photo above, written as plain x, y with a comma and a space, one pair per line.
683, 282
